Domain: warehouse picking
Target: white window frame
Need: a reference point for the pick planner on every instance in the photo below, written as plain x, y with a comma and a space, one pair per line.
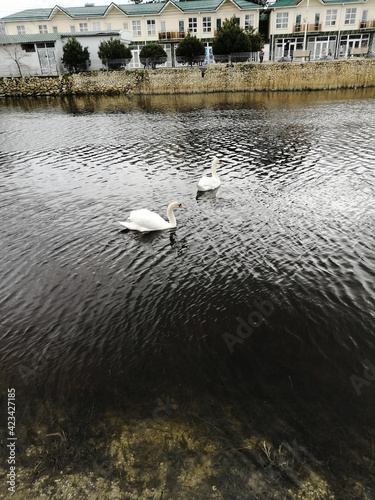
136, 27
72, 29
43, 28
21, 30
282, 20
83, 27
206, 24
249, 20
125, 26
193, 24
108, 26
96, 26
55, 29
151, 27
331, 17
350, 15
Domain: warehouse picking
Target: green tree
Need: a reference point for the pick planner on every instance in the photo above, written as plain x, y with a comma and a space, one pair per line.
75, 57
113, 52
189, 50
152, 54
232, 39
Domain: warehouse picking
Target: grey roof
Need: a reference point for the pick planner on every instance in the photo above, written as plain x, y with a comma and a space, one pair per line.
51, 37
37, 37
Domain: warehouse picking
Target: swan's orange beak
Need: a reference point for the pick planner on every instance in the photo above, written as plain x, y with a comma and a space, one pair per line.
180, 206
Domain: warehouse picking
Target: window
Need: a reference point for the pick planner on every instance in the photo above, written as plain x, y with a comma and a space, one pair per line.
72, 29
364, 19
181, 26
331, 17
43, 28
218, 23
249, 20
151, 27
298, 22
282, 20
83, 27
125, 26
55, 29
28, 47
162, 26
108, 26
317, 21
193, 24
96, 26
21, 30
350, 15
206, 25
137, 28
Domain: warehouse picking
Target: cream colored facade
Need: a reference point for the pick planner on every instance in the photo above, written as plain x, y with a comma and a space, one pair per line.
166, 23
144, 26
331, 29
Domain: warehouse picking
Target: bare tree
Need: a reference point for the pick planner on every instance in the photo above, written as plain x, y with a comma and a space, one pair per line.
16, 54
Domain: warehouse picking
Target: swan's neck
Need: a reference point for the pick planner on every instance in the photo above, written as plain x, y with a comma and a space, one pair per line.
171, 217
213, 169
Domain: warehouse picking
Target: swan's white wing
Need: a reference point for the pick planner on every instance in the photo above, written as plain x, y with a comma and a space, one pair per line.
208, 183
148, 220
132, 226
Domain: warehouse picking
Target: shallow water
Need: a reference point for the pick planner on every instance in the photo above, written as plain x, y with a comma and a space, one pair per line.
265, 286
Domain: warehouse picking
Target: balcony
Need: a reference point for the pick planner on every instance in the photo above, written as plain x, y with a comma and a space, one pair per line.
300, 28
366, 24
171, 35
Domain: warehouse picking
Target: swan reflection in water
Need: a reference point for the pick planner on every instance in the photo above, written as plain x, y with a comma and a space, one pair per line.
207, 194
150, 237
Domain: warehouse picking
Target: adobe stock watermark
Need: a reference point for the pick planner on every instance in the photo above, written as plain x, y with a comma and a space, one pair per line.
368, 377
260, 312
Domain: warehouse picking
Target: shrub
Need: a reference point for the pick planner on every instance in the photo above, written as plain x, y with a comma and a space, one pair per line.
75, 57
232, 39
114, 53
190, 50
152, 54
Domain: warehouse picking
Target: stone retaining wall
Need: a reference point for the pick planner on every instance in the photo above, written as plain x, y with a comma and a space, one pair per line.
315, 75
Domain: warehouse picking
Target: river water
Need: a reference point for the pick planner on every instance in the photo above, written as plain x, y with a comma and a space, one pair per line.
251, 324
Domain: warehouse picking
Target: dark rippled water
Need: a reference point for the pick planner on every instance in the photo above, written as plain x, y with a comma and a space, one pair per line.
268, 281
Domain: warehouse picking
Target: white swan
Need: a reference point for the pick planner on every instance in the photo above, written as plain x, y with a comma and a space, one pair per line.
209, 183
144, 220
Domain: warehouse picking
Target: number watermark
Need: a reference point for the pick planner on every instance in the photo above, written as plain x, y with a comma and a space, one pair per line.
11, 440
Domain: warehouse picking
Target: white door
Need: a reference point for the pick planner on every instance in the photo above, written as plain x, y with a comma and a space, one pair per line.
47, 61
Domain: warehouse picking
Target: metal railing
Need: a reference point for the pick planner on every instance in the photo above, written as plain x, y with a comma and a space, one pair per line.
300, 28
171, 35
152, 62
117, 63
237, 57
366, 24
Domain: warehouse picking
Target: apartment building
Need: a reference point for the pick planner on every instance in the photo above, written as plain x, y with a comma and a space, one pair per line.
324, 28
136, 24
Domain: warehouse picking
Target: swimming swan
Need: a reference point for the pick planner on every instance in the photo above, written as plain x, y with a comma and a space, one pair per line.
209, 183
144, 220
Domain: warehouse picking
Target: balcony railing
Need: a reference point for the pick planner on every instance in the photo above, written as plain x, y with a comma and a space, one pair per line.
366, 24
300, 28
171, 35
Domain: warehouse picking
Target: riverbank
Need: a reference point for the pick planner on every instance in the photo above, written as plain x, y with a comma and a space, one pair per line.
315, 75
